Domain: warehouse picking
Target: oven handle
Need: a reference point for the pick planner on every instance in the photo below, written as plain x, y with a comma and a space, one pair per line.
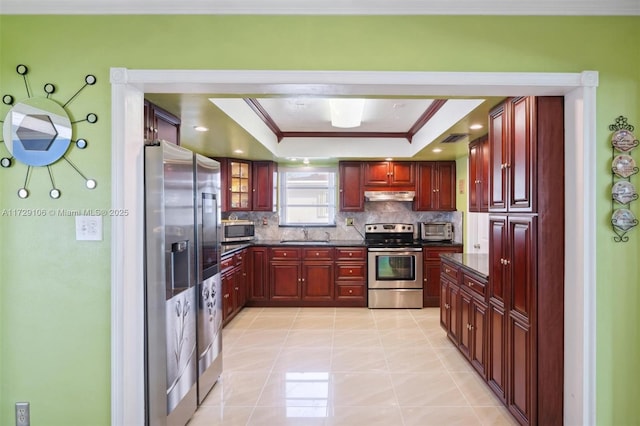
395, 249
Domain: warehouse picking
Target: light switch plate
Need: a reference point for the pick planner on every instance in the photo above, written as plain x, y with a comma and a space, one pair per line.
89, 228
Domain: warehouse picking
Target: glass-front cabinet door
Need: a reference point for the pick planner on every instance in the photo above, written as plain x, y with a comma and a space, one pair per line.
240, 191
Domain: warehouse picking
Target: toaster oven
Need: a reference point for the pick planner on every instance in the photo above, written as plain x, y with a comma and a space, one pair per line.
436, 231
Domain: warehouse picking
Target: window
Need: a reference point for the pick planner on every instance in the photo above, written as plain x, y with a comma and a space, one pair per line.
308, 196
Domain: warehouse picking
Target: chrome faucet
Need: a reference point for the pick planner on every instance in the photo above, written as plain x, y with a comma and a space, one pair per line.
327, 236
305, 231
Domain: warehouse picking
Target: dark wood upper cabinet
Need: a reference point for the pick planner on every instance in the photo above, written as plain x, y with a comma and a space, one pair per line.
351, 189
160, 124
247, 185
435, 188
263, 175
479, 175
513, 155
497, 159
389, 173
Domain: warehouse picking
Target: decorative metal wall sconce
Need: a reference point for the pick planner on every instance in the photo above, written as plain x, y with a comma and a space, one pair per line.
38, 132
623, 166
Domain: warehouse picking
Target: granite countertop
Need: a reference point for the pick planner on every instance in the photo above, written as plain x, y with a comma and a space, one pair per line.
474, 262
441, 243
330, 243
229, 248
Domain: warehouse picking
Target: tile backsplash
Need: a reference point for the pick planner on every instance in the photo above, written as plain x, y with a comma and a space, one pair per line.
375, 212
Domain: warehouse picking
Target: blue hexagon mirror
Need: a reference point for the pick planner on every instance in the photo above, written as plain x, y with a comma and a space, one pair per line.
38, 132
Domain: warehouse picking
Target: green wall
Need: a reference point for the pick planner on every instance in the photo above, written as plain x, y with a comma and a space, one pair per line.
54, 291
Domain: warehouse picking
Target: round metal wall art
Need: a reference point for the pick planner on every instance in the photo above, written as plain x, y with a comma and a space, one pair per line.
38, 132
623, 167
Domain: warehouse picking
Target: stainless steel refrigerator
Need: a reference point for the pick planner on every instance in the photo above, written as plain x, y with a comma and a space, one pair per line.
183, 309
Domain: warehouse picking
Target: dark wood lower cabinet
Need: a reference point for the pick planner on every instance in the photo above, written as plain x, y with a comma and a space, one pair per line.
258, 275
431, 272
233, 278
496, 356
307, 276
520, 398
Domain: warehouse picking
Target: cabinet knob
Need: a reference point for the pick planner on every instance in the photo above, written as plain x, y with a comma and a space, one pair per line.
447, 270
303, 280
237, 288
317, 254
350, 291
470, 284
350, 254
284, 254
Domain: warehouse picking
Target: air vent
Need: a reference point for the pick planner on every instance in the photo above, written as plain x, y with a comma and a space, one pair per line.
455, 137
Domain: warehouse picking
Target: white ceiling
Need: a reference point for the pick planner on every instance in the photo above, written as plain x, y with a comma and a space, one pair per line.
313, 114
324, 7
400, 127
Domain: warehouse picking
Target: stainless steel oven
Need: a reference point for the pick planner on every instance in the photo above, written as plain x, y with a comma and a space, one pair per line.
394, 266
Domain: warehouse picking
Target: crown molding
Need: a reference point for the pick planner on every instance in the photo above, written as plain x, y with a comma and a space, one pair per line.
322, 7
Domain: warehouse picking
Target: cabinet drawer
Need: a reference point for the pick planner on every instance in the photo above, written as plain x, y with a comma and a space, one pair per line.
350, 290
449, 270
317, 253
283, 253
227, 263
350, 271
351, 253
237, 257
474, 284
433, 253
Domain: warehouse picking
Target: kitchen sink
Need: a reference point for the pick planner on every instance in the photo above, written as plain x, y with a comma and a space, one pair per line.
305, 242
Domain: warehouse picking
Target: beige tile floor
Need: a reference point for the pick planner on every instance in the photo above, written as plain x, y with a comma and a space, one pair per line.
345, 367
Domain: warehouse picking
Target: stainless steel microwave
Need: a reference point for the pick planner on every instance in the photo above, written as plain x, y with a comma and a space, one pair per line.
436, 231
237, 230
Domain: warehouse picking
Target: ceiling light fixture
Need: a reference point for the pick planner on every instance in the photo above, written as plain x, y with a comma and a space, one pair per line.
200, 128
346, 112
475, 126
436, 150
238, 151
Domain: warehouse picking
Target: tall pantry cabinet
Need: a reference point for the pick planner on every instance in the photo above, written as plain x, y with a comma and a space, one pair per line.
526, 255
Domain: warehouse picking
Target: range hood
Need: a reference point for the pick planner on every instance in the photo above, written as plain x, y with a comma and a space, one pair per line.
389, 195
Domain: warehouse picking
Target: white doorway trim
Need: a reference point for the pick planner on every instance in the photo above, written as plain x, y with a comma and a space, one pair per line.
127, 93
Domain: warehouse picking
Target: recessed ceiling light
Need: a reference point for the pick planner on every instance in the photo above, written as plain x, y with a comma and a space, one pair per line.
475, 126
437, 149
200, 128
238, 151
388, 159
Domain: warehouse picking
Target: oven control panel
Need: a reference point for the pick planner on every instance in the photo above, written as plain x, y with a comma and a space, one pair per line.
389, 227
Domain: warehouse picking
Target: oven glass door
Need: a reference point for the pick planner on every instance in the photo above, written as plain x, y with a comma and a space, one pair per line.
395, 269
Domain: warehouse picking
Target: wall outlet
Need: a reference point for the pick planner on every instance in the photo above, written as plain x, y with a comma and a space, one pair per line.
89, 228
22, 414
349, 221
